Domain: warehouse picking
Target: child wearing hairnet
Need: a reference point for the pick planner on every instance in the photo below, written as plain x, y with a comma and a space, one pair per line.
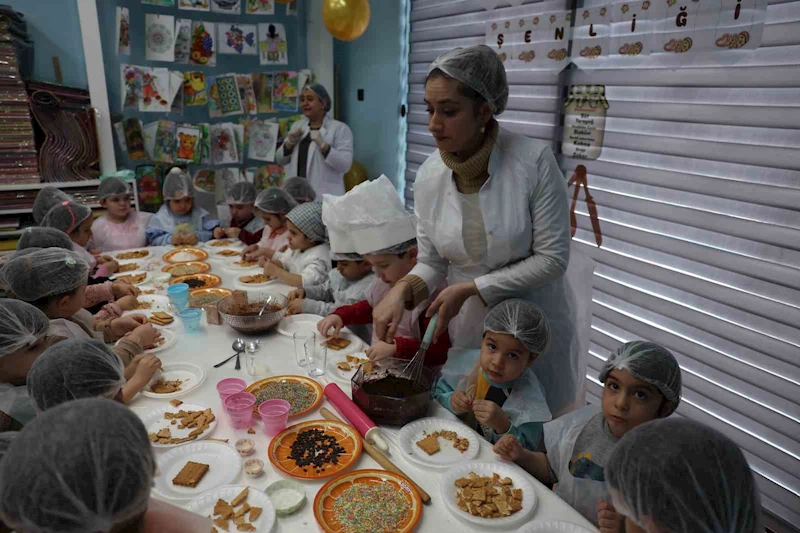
300, 189
494, 389
86, 368
244, 224
51, 472
179, 221
680, 476
642, 383
308, 259
372, 219
121, 227
272, 206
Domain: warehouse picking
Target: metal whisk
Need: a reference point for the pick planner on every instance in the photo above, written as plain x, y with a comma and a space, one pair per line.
413, 370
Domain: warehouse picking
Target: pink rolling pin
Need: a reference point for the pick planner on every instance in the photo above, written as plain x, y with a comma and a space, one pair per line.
357, 418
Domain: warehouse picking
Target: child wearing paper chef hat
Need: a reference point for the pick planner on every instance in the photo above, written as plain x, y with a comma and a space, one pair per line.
384, 233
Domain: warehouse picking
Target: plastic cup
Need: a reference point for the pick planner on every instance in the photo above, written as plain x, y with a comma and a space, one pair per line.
228, 386
240, 409
275, 415
179, 295
191, 319
316, 356
300, 339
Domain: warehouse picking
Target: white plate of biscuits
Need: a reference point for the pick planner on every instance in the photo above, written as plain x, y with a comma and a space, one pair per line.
177, 425
175, 379
193, 470
167, 341
343, 368
227, 505
438, 442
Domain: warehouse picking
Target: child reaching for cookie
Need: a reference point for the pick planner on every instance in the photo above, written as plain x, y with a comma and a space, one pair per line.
494, 390
272, 205
122, 227
642, 383
179, 221
245, 225
347, 284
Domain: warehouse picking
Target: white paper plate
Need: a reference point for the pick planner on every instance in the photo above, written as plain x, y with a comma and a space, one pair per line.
553, 526
159, 303
170, 338
223, 461
447, 455
148, 276
141, 264
204, 505
191, 376
145, 258
212, 254
155, 422
235, 244
251, 286
307, 323
517, 475
240, 270
334, 357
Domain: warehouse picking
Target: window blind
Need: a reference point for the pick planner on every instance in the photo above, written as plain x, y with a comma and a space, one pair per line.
698, 194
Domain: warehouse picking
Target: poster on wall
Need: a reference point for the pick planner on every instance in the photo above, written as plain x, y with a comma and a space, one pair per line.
272, 44
238, 39
123, 31
159, 37
183, 40
260, 7
188, 144
247, 93
202, 51
155, 91
263, 139
262, 86
228, 7
194, 89
285, 92
194, 5
585, 112
291, 8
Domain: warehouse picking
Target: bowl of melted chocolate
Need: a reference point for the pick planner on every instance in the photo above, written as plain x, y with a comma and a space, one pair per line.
387, 394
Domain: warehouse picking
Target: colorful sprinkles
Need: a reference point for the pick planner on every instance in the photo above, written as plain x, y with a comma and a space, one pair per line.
300, 396
371, 508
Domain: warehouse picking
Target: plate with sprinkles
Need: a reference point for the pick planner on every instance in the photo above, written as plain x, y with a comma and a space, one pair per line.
303, 394
315, 449
367, 501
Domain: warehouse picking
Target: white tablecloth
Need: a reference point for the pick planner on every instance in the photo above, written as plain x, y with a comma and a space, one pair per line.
212, 344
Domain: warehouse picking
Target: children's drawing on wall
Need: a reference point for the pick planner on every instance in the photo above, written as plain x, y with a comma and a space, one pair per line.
272, 44
162, 3
155, 91
188, 139
148, 187
134, 138
263, 137
131, 83
194, 5
229, 7
285, 91
202, 51
268, 176
230, 102
183, 40
159, 37
123, 31
247, 93
262, 85
238, 39
223, 144
291, 8
260, 7
164, 145
194, 89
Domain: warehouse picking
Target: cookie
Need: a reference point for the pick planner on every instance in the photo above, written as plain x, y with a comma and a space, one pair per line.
191, 474
429, 444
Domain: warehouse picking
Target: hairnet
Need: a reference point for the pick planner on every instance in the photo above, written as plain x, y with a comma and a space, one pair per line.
81, 467
38, 237
6, 438
522, 320
321, 92
300, 189
47, 198
346, 257
41, 273
274, 200
397, 249
479, 68
177, 185
21, 325
240, 193
308, 219
74, 369
649, 362
66, 216
684, 477
111, 186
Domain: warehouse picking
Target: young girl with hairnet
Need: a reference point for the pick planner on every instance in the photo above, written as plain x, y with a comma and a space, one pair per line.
642, 382
272, 205
494, 389
308, 259
121, 227
86, 368
179, 221
680, 476
51, 472
244, 224
300, 189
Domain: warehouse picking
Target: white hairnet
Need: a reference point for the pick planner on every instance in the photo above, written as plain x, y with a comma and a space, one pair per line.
38, 237
322, 93
177, 184
300, 189
522, 320
66, 216
397, 249
241, 193
275, 200
111, 186
683, 477
82, 467
47, 198
308, 219
74, 369
21, 325
34, 274
479, 68
6, 438
649, 362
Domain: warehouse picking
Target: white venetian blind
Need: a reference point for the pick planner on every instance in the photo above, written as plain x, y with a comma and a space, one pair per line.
698, 196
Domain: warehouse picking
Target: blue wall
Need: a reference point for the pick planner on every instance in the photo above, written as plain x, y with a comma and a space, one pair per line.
372, 63
55, 28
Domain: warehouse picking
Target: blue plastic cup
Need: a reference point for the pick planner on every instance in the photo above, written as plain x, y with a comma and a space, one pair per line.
191, 319
179, 295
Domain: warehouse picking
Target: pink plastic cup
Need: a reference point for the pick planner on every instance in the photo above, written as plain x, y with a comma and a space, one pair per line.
275, 415
240, 409
228, 386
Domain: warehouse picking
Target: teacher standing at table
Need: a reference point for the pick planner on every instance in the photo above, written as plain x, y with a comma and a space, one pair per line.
318, 147
493, 219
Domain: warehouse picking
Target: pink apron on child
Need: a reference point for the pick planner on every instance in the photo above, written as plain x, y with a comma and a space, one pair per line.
109, 236
274, 241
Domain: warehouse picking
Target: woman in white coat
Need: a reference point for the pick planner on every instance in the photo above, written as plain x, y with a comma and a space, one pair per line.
493, 219
318, 147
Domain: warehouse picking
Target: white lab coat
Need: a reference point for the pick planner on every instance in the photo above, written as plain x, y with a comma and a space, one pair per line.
526, 218
326, 174
313, 264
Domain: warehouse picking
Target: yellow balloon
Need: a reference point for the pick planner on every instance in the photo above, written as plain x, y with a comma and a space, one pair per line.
346, 19
357, 174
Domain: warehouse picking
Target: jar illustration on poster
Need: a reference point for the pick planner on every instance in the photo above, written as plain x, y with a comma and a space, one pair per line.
584, 121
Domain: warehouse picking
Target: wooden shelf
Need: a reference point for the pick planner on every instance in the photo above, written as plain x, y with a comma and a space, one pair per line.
56, 184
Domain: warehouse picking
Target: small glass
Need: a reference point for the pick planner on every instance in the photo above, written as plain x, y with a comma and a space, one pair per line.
316, 356
253, 362
300, 339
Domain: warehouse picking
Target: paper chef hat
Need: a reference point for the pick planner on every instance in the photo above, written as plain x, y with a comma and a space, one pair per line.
368, 219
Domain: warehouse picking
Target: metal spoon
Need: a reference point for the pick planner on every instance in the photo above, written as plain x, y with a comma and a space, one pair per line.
238, 346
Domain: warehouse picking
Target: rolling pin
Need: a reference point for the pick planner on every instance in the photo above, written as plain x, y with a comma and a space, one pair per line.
355, 416
381, 459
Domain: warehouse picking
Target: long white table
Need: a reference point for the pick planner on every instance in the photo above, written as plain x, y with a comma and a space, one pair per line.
212, 344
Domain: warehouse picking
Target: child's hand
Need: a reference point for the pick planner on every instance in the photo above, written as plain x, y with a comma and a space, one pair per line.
121, 326
331, 321
146, 335
219, 233
491, 415
112, 267
295, 306
272, 268
233, 233
248, 252
146, 369
127, 303
608, 519
177, 239
95, 252
297, 294
122, 289
508, 448
190, 239
460, 402
381, 350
